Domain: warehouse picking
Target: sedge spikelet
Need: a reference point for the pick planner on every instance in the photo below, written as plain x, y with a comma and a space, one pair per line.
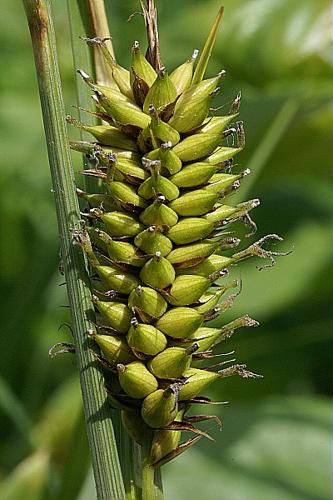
156, 237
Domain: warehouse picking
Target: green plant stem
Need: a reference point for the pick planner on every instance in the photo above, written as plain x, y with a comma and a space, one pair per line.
148, 473
101, 439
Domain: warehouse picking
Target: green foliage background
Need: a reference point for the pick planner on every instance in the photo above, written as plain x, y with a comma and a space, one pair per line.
276, 438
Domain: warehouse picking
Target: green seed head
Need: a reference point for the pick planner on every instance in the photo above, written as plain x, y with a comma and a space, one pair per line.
160, 233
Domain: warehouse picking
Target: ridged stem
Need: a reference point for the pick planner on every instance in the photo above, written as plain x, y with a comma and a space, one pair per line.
148, 473
107, 472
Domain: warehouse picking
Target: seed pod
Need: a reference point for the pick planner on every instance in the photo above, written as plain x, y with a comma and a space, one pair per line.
117, 315
194, 175
120, 75
243, 209
208, 266
198, 146
160, 408
158, 184
117, 280
220, 183
161, 93
148, 301
169, 159
159, 214
127, 170
205, 338
96, 240
161, 130
141, 66
217, 124
158, 272
112, 87
146, 339
97, 200
164, 442
193, 105
123, 112
197, 381
220, 213
190, 229
208, 301
121, 251
192, 116
121, 224
197, 202
151, 241
203, 88
171, 363
125, 194
187, 289
106, 135
221, 154
181, 77
136, 380
189, 255
114, 349
134, 425
180, 322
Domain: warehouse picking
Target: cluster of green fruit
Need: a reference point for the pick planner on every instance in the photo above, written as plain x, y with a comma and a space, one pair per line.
156, 237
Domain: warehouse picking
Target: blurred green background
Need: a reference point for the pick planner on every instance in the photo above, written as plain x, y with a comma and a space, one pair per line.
277, 432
